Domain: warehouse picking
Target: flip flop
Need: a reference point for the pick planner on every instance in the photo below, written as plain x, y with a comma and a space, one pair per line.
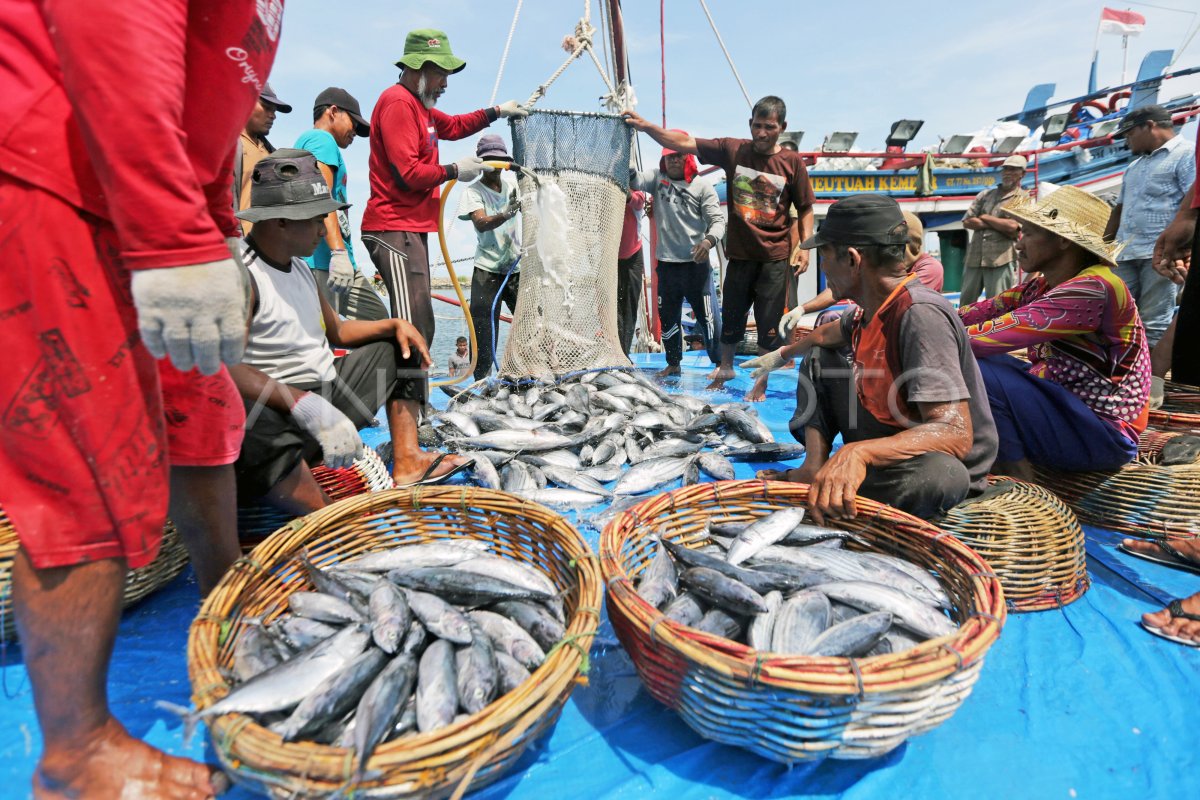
429, 479
1176, 609
1170, 557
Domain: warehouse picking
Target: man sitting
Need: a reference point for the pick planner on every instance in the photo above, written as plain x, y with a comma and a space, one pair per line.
304, 406
918, 433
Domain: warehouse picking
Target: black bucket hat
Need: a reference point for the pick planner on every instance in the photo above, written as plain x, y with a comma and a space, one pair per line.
288, 185
865, 219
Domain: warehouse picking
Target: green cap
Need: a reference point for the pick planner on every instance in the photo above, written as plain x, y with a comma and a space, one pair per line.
428, 44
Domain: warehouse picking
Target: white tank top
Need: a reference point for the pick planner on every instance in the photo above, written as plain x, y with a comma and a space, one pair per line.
287, 332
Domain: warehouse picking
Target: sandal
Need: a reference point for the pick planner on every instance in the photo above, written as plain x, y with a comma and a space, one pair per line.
1169, 557
1175, 607
428, 478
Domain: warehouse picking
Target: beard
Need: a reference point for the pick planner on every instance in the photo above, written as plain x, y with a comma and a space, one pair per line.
427, 98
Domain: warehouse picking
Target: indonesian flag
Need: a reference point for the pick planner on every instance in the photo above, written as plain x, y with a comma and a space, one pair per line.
1123, 23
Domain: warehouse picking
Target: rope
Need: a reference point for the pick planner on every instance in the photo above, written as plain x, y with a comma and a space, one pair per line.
662, 49
728, 57
504, 58
583, 37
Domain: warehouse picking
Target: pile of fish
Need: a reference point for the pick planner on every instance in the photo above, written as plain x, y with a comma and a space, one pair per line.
782, 586
591, 437
391, 642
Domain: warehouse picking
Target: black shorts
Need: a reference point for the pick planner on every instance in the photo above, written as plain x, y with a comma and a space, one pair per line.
366, 379
761, 285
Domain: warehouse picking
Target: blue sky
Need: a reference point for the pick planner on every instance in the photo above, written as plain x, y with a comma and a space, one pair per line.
856, 65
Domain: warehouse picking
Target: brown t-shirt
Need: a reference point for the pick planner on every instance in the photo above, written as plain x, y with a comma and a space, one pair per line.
759, 190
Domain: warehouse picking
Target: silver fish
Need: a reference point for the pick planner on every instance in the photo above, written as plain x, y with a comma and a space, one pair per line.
484, 471
659, 582
440, 553
854, 637
719, 623
746, 427
716, 466
390, 616
649, 475
565, 498
439, 617
725, 592
512, 571
323, 607
764, 532
765, 452
571, 479
301, 633
513, 440
510, 673
685, 609
801, 619
510, 637
535, 619
380, 707
605, 473
476, 672
465, 588
921, 619
437, 687
253, 652
759, 634
465, 425
336, 695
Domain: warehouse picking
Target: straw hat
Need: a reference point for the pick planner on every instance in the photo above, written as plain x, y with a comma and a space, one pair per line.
1074, 215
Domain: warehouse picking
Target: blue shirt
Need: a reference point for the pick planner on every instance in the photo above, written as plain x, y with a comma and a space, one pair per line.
322, 145
1150, 194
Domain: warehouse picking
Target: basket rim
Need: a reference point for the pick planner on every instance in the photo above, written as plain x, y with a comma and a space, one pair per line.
817, 674
468, 744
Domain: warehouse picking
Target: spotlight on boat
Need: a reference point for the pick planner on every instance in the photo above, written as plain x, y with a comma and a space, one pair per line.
904, 131
1008, 144
1054, 127
839, 142
1103, 129
957, 143
791, 139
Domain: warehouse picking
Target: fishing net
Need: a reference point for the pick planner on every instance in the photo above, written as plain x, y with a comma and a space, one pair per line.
566, 317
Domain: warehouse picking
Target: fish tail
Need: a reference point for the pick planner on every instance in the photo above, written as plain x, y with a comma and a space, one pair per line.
189, 717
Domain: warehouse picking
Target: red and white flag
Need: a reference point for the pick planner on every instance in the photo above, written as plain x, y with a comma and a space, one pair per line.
1123, 23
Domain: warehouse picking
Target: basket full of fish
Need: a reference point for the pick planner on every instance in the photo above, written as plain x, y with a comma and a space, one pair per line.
405, 643
795, 641
597, 437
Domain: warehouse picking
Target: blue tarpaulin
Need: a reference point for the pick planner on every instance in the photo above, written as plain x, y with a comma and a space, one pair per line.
1078, 702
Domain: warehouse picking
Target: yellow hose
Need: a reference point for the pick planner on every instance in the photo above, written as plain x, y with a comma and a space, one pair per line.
450, 380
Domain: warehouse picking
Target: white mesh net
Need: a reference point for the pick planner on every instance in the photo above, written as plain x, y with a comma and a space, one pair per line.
566, 317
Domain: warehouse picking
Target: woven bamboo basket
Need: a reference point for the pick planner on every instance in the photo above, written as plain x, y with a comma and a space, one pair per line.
367, 474
172, 558
1031, 539
798, 708
1145, 498
467, 754
1180, 409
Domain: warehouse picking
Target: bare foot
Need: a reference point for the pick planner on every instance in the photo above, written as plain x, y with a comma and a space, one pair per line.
668, 371
112, 764
406, 470
719, 376
1188, 548
758, 392
1182, 628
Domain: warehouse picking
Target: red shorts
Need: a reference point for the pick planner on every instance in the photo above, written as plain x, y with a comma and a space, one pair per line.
205, 417
83, 467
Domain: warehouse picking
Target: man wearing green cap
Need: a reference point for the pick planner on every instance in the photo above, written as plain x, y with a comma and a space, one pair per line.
406, 175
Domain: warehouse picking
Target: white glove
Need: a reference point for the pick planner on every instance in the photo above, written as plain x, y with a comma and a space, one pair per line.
789, 321
765, 364
194, 314
332, 429
1157, 392
469, 168
341, 272
511, 108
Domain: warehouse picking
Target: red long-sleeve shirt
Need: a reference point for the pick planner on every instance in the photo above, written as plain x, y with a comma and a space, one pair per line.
130, 111
405, 174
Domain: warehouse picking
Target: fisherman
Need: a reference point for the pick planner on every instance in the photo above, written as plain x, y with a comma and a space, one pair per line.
405, 173
337, 121
764, 180
916, 260
303, 405
689, 223
460, 359
114, 185
1150, 193
1177, 248
253, 145
1080, 401
631, 268
990, 265
491, 205
911, 410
